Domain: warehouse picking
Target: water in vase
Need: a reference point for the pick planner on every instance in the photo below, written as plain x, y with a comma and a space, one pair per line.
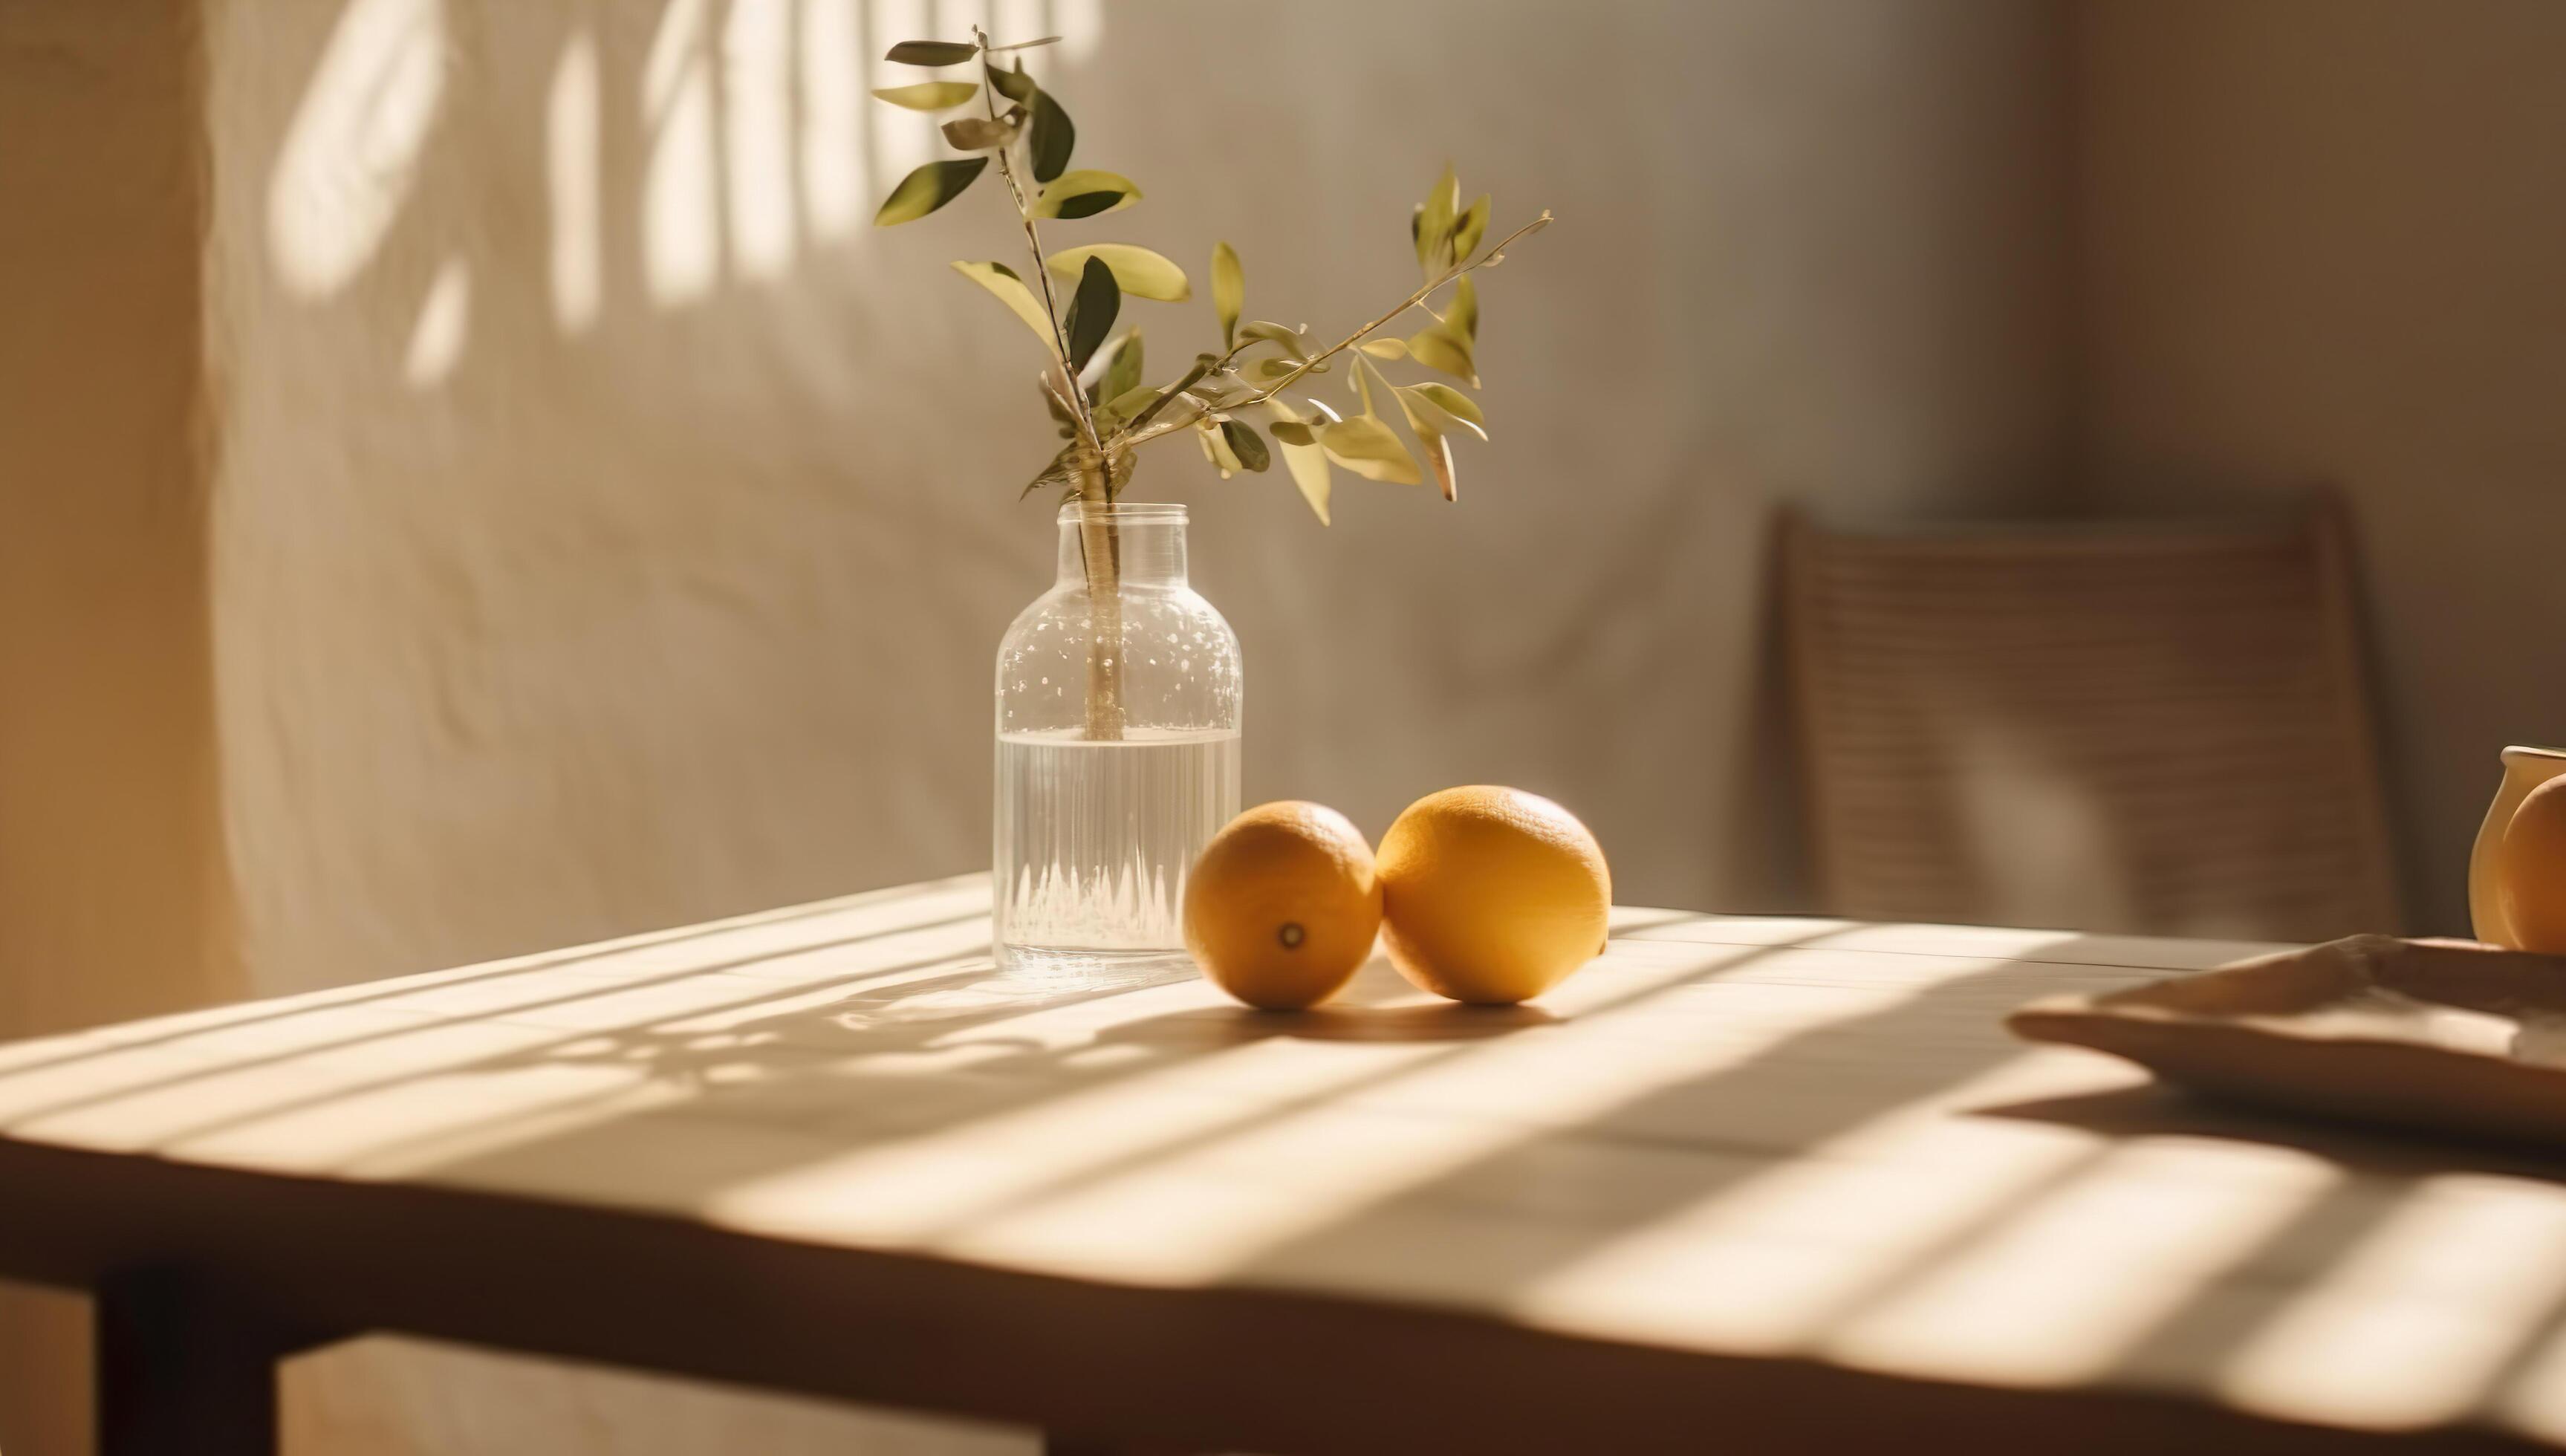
1094, 841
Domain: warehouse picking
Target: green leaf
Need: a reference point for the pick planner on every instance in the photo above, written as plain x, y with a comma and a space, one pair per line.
1122, 372
1440, 348
1438, 458
1028, 45
1002, 281
1462, 410
1088, 204
1368, 373
1473, 227
1431, 227
1060, 414
928, 96
1140, 271
1287, 340
926, 190
1051, 138
1167, 397
1130, 401
1463, 316
1388, 349
1302, 456
1433, 424
1245, 443
1085, 193
932, 52
1229, 290
977, 133
1091, 312
1062, 471
1370, 449
1271, 371
1216, 448
1014, 85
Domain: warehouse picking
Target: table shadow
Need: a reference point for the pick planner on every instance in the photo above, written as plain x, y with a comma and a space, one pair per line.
2163, 1109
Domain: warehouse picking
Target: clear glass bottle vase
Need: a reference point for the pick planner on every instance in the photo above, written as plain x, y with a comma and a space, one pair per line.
1118, 754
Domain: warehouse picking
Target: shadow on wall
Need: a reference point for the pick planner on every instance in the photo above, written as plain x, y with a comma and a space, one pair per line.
611, 531
565, 443
752, 118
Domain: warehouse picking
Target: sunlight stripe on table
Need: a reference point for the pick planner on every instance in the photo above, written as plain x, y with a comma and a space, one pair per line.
987, 1187
2067, 1285
2413, 1324
1767, 1263
1323, 1169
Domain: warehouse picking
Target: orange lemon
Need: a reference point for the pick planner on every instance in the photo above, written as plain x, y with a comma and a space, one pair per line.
1491, 896
1283, 906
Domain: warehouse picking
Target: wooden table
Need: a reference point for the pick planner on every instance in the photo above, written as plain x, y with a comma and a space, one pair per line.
1744, 1184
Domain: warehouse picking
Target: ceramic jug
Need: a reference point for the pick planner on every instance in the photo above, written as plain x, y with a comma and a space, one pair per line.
2524, 769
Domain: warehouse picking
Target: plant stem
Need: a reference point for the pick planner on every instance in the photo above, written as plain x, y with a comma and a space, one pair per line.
1169, 395
1099, 548
1042, 275
1357, 337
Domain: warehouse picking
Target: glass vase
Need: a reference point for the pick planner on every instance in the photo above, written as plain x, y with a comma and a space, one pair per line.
1118, 753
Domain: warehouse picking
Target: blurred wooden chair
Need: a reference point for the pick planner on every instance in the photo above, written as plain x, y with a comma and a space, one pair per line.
2124, 727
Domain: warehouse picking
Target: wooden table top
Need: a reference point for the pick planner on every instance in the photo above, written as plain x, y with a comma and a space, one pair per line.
1738, 1176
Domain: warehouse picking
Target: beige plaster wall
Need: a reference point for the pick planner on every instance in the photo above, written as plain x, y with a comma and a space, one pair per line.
681, 600
2321, 240
111, 897
111, 891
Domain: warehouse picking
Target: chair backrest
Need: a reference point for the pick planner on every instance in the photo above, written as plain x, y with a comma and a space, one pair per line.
2120, 728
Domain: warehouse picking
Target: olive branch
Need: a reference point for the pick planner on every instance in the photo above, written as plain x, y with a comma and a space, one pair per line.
1091, 382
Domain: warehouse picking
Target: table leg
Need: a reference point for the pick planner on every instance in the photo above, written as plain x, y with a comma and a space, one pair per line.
181, 1369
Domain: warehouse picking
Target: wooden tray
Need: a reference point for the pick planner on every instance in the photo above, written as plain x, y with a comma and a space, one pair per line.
2444, 1036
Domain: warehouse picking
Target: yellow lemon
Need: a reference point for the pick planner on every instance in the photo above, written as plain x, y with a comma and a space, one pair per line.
1282, 907
2530, 870
1491, 896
